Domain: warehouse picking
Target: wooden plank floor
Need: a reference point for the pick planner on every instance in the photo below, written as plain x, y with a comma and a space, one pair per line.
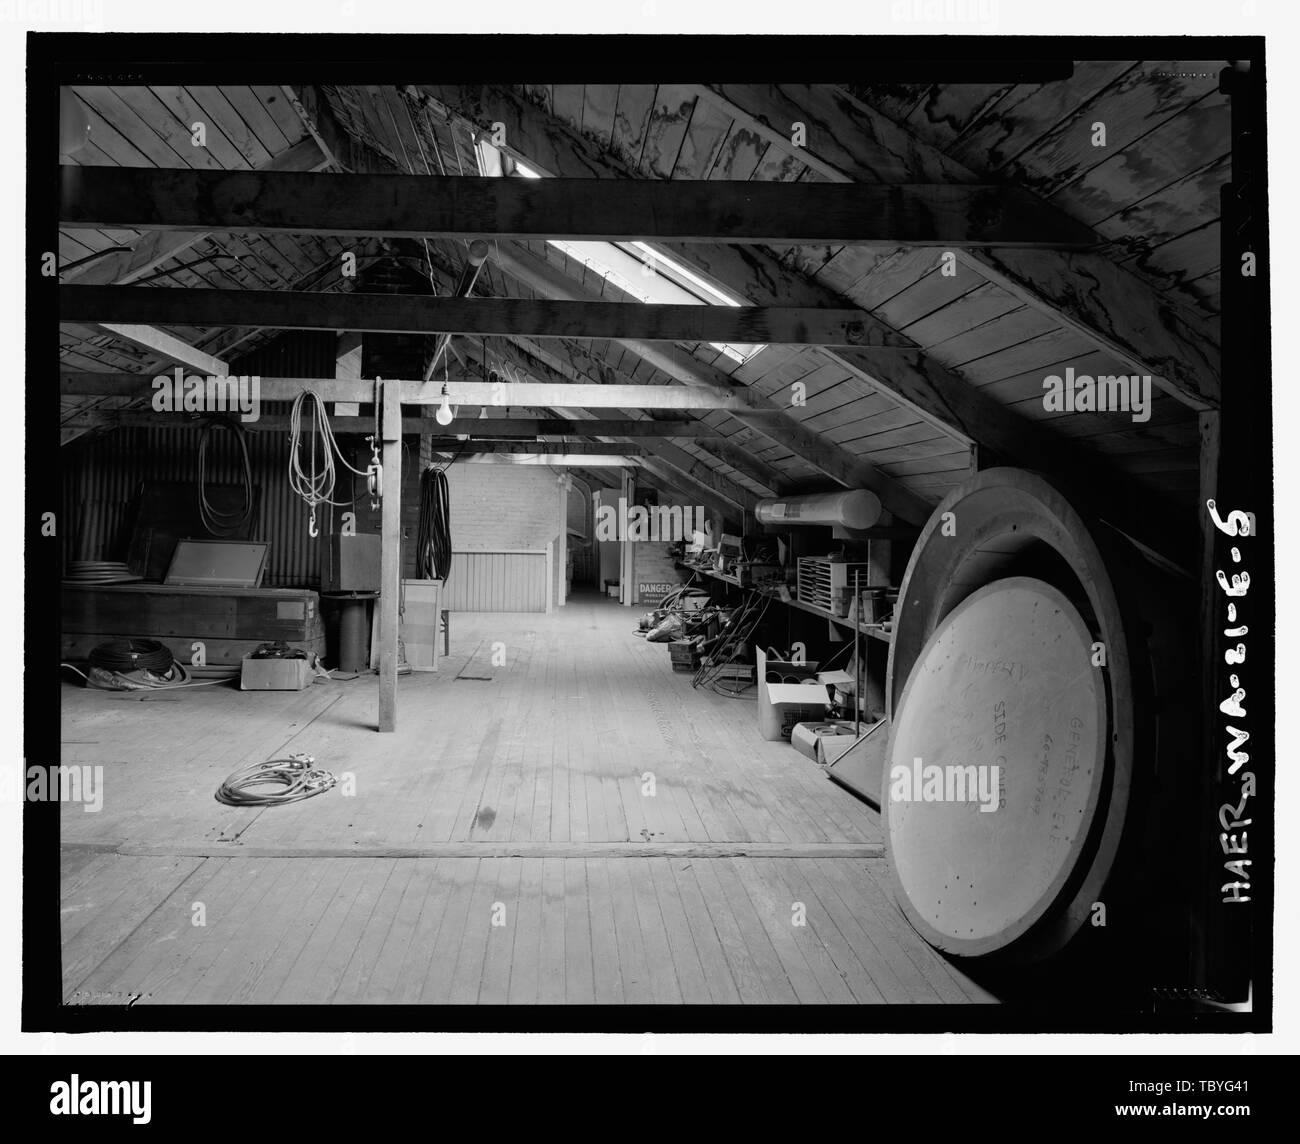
560, 818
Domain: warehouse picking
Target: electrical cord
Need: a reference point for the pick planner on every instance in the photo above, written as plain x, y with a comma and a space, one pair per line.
136, 665
296, 776
217, 521
116, 681
433, 537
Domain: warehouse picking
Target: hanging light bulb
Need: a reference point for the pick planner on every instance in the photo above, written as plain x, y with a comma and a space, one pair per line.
444, 415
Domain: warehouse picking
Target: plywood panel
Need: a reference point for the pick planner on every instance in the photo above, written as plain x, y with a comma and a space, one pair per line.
1133, 105
166, 118
566, 103
673, 106
189, 111
631, 119
703, 142
739, 154
1026, 112
599, 102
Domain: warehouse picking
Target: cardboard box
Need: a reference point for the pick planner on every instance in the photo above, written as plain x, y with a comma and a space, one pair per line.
274, 674
823, 742
783, 704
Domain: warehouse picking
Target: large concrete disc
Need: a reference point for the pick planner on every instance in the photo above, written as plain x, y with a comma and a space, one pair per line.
1006, 680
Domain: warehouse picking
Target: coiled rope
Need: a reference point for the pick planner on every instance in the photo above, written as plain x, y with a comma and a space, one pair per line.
296, 776
217, 521
317, 486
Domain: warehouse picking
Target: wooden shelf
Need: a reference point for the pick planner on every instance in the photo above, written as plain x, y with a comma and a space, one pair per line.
872, 630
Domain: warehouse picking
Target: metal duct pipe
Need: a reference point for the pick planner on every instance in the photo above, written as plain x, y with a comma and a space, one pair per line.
478, 252
850, 508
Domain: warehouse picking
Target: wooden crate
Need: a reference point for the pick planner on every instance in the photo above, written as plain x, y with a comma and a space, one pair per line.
229, 622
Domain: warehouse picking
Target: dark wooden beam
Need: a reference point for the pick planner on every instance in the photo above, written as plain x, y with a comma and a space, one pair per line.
420, 206
152, 250
416, 314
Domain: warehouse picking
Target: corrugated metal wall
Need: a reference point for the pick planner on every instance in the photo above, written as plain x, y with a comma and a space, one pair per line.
102, 480
496, 582
102, 476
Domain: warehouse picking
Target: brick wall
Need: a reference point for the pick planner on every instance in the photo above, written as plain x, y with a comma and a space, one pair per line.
502, 506
499, 507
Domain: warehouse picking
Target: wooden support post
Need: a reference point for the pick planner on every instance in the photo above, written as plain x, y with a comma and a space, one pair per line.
566, 483
550, 577
390, 553
627, 554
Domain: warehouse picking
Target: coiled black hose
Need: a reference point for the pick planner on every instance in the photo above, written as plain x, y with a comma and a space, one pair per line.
217, 521
132, 655
433, 538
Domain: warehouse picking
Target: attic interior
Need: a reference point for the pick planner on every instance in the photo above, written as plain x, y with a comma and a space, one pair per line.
888, 409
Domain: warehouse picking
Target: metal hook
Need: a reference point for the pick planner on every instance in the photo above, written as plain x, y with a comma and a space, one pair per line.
312, 530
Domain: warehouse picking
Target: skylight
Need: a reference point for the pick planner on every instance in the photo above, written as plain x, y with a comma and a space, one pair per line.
636, 268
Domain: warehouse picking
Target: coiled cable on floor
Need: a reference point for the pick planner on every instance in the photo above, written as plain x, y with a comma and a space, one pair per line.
296, 776
220, 522
433, 538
